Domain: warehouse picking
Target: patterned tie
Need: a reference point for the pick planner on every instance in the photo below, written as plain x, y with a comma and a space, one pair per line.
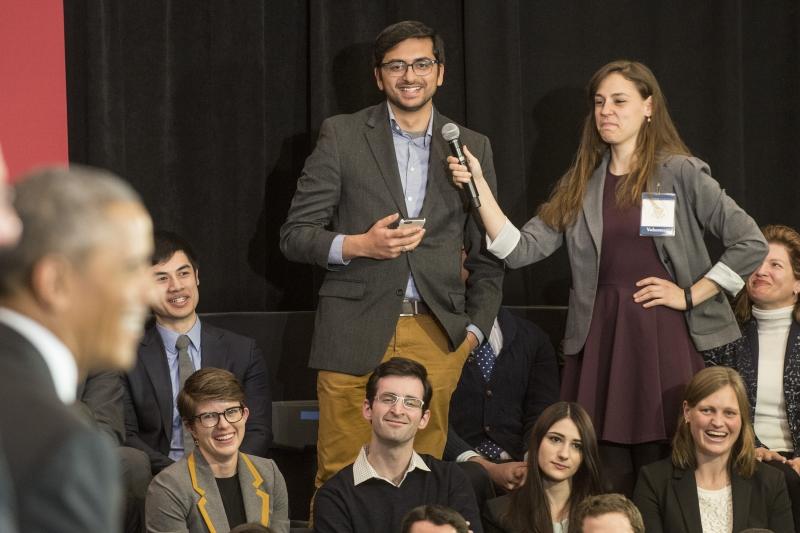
490, 449
185, 369
485, 357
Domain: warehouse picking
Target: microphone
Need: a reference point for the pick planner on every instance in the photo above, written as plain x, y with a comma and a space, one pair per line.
450, 132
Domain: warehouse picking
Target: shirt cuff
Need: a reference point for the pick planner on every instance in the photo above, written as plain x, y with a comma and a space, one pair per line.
335, 253
466, 456
722, 275
478, 333
505, 242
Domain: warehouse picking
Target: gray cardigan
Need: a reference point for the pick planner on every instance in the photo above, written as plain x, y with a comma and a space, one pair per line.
700, 205
183, 498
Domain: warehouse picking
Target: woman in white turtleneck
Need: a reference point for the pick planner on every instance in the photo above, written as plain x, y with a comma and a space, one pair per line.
768, 355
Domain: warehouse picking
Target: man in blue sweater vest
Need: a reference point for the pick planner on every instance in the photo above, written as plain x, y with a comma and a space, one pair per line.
389, 478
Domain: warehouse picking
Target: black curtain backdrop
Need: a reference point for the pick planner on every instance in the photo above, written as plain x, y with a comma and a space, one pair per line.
210, 108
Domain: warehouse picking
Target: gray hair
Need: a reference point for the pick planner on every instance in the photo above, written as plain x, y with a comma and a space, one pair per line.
63, 211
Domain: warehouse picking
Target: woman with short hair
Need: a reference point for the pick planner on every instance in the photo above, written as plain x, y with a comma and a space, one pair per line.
216, 487
768, 355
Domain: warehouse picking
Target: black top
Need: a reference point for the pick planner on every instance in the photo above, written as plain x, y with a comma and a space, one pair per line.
232, 500
378, 506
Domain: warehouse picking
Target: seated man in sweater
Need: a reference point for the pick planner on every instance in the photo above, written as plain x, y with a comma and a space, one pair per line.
506, 383
389, 478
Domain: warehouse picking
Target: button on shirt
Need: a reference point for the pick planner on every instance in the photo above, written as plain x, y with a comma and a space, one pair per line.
169, 338
413, 153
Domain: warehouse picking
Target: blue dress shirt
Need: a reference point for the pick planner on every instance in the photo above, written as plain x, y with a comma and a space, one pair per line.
169, 338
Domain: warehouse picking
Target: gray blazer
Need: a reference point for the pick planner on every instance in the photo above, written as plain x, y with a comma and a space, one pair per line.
184, 497
701, 205
349, 182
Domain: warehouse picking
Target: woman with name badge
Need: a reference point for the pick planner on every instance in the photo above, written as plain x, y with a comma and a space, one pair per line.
633, 210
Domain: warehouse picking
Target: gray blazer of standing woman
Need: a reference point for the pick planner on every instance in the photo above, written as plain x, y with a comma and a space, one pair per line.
645, 298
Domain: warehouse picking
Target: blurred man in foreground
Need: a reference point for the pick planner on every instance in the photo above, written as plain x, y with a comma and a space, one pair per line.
74, 295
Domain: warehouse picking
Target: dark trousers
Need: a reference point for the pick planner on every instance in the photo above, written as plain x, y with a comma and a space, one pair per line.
136, 477
622, 462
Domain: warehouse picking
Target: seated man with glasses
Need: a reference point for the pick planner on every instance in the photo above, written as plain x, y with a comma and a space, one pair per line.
216, 487
389, 478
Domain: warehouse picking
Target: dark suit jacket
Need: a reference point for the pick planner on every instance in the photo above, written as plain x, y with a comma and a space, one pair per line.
524, 381
494, 515
148, 392
100, 397
64, 473
667, 499
742, 355
8, 517
348, 183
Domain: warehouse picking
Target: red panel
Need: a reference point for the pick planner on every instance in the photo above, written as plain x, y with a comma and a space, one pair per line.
33, 96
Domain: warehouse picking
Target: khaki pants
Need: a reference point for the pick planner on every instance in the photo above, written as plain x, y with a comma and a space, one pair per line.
343, 429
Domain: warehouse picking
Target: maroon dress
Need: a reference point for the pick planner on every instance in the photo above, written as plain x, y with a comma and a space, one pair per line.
632, 371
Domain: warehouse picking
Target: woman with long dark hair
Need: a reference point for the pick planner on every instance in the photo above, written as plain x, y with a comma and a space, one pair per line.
563, 469
633, 210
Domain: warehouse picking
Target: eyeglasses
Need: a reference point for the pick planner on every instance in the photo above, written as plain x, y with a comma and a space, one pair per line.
421, 67
231, 414
409, 402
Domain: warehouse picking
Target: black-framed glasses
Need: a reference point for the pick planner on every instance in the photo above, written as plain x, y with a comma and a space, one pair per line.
421, 67
409, 402
231, 414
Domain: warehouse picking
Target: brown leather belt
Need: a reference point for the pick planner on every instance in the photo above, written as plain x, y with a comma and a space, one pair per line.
413, 308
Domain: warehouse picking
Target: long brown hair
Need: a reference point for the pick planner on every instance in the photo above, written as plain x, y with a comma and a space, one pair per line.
529, 511
656, 140
790, 240
704, 384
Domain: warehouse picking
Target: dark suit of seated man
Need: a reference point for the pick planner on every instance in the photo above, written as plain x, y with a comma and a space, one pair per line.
499, 397
173, 348
389, 478
100, 397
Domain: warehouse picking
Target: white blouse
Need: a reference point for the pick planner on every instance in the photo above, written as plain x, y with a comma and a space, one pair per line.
716, 510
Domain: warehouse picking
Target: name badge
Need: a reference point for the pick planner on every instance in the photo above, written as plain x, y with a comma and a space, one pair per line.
658, 215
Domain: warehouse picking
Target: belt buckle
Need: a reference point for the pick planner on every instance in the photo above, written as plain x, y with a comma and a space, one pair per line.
414, 307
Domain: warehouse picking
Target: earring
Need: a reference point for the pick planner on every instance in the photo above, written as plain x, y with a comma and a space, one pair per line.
649, 120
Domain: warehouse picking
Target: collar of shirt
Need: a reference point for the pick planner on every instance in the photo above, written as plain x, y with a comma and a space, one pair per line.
496, 337
363, 471
55, 353
399, 131
170, 337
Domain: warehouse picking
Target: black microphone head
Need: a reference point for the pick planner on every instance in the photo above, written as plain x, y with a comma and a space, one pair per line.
450, 132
